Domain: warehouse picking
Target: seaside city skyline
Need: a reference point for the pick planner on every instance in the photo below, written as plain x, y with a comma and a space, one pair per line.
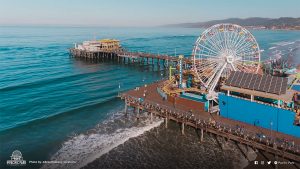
138, 13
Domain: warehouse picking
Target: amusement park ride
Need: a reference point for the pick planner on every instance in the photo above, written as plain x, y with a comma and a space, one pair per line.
223, 83
223, 52
218, 51
226, 75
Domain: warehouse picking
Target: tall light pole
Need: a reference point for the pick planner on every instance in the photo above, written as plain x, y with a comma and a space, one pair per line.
180, 70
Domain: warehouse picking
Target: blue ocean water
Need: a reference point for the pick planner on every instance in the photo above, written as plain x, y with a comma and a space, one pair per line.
46, 97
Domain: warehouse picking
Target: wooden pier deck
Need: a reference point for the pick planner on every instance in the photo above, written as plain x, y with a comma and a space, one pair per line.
129, 57
148, 99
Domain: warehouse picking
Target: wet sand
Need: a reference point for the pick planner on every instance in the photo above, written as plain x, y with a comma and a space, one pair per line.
265, 157
168, 148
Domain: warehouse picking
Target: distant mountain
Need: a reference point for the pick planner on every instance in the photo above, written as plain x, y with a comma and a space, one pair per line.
256, 22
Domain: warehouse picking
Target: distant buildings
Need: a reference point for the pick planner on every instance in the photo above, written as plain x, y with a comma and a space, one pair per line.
99, 45
255, 27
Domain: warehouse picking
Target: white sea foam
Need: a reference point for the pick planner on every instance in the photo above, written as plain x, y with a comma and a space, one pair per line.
284, 43
85, 148
274, 47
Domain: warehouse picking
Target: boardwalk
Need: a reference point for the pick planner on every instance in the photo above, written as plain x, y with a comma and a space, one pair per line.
130, 57
149, 100
273, 142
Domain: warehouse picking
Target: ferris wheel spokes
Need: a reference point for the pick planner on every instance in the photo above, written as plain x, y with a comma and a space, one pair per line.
221, 49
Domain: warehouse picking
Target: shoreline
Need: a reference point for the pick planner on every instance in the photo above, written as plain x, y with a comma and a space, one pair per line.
163, 147
107, 135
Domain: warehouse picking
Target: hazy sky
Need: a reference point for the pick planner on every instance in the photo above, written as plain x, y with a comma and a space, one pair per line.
138, 12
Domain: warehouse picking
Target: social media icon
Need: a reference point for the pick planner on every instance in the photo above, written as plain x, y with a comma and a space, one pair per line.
275, 162
255, 162
269, 162
262, 162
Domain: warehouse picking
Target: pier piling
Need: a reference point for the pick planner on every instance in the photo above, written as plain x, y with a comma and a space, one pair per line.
126, 108
182, 128
166, 122
151, 117
201, 136
201, 121
138, 113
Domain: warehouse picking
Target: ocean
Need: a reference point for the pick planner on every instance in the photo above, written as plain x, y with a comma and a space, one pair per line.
55, 107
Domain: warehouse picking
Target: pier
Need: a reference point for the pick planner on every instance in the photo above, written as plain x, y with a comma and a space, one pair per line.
121, 55
148, 99
261, 111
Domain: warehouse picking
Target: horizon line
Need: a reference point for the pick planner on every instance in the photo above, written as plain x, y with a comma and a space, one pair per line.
124, 26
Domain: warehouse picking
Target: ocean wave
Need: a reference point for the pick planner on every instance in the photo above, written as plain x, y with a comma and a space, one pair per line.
48, 48
107, 99
274, 47
285, 46
160, 38
41, 82
54, 80
85, 148
284, 43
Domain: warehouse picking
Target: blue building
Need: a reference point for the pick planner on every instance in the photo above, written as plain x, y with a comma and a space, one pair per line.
260, 100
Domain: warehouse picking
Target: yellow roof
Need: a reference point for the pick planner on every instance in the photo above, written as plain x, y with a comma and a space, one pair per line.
108, 40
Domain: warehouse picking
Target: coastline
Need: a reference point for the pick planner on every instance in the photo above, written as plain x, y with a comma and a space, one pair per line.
86, 147
163, 147
37, 133
166, 148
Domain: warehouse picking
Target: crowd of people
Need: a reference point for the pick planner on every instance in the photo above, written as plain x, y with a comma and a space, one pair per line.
211, 124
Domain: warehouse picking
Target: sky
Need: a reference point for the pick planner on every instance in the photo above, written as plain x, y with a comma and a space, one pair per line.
138, 12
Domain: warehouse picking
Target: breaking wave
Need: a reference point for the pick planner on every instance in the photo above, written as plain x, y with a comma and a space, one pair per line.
284, 43
82, 149
272, 48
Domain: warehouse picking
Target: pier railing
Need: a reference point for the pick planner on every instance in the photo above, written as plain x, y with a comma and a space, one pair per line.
271, 143
125, 54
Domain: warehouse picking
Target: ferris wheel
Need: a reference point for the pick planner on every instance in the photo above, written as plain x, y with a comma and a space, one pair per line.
223, 48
